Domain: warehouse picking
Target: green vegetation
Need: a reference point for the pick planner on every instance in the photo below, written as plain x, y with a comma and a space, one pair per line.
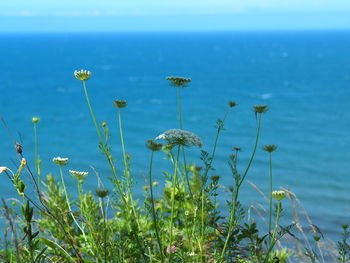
179, 223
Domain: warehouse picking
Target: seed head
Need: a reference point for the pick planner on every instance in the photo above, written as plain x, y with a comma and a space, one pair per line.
120, 103
103, 124
60, 161
178, 81
180, 137
35, 119
78, 175
82, 74
237, 149
101, 192
270, 148
279, 195
18, 148
232, 104
155, 184
260, 108
153, 146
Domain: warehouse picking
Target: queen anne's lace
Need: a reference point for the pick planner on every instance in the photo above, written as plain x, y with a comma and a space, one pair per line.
180, 137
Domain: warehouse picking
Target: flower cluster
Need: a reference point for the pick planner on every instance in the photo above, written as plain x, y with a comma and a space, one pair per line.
82, 74
180, 137
60, 161
178, 81
260, 108
78, 175
270, 148
120, 103
279, 195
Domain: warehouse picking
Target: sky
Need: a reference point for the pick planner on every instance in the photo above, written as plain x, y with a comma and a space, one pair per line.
174, 15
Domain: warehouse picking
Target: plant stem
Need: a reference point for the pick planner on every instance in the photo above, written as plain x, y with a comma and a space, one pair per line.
179, 107
105, 229
273, 241
173, 195
153, 209
36, 154
233, 210
270, 215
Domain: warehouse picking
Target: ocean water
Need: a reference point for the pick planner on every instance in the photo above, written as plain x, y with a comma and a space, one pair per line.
304, 77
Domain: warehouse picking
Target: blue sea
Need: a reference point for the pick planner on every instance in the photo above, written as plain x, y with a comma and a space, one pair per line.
304, 77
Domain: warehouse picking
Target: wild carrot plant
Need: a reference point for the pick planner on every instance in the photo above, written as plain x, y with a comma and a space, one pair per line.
182, 222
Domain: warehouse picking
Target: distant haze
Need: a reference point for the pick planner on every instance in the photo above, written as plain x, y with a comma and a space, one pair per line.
180, 15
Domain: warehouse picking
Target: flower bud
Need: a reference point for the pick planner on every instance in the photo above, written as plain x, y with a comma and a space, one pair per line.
279, 195
35, 119
153, 146
270, 148
260, 108
102, 192
19, 148
232, 104
120, 103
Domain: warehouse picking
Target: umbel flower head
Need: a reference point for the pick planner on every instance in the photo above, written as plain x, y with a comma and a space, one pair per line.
154, 146
270, 148
180, 137
279, 195
101, 192
82, 74
35, 119
60, 161
120, 103
78, 175
260, 108
232, 104
178, 81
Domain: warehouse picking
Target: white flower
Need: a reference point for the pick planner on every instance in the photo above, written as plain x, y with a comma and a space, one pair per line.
78, 175
60, 161
82, 74
180, 137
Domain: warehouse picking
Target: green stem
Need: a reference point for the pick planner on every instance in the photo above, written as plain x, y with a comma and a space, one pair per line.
233, 211
68, 204
173, 196
105, 229
179, 107
270, 215
36, 153
186, 173
273, 240
153, 209
206, 174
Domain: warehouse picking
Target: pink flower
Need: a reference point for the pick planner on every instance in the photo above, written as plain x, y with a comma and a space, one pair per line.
171, 249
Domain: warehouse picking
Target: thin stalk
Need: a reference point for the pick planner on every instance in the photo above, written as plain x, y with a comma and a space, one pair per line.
270, 215
110, 161
273, 240
207, 171
68, 204
173, 196
153, 209
36, 154
186, 173
108, 156
179, 107
104, 229
233, 211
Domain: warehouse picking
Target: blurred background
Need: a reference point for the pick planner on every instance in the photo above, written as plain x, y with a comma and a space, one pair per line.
292, 55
